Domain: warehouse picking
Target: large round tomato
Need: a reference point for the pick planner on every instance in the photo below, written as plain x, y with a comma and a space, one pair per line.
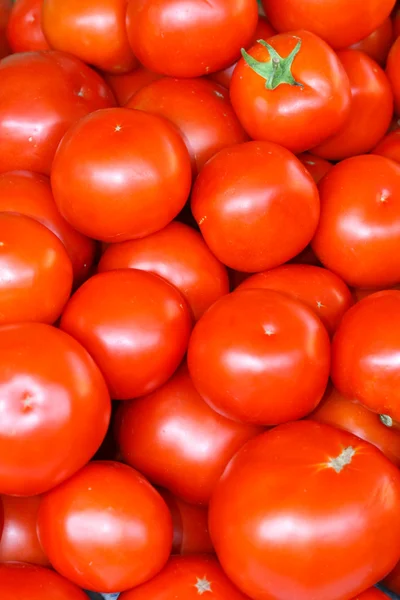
24, 29
5, 11
126, 85
306, 511
389, 146
392, 71
20, 581
256, 205
317, 167
121, 174
292, 90
55, 408
358, 235
41, 95
378, 43
188, 38
172, 434
259, 356
106, 528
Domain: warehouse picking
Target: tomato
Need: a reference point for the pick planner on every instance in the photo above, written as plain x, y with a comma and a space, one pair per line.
55, 408
389, 146
392, 581
256, 205
317, 167
306, 257
30, 194
392, 72
135, 325
188, 38
365, 349
121, 174
291, 90
36, 272
187, 578
106, 528
199, 276
20, 541
125, 85
200, 110
268, 368
359, 294
24, 29
321, 290
338, 22
378, 43
5, 11
315, 513
1, 518
396, 21
64, 90
19, 581
359, 203
371, 108
371, 594
172, 434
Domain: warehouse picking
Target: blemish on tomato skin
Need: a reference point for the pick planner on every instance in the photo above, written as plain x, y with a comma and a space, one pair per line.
201, 221
344, 459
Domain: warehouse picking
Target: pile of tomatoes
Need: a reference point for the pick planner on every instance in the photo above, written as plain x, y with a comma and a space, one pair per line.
199, 299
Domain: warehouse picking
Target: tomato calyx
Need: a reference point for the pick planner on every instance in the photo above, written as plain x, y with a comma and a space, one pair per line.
344, 459
276, 71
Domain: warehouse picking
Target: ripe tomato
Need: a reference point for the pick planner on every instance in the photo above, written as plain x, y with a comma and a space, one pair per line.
323, 291
35, 271
392, 581
338, 22
121, 174
360, 202
393, 74
135, 325
5, 11
371, 109
316, 166
371, 594
19, 541
201, 111
293, 91
396, 21
106, 528
24, 29
187, 578
30, 582
268, 368
378, 43
125, 85
197, 274
172, 434
256, 205
188, 38
364, 353
389, 146
55, 408
294, 494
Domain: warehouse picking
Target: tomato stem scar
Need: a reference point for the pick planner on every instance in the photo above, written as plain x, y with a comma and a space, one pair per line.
276, 71
344, 458
386, 420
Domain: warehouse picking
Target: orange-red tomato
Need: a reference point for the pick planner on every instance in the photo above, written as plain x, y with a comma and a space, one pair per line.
378, 43
371, 594
27, 582
24, 29
396, 21
5, 11
317, 166
392, 581
389, 146
126, 85
392, 71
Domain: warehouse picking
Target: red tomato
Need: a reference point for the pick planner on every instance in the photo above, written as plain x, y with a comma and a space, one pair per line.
315, 513
396, 21
365, 351
198, 275
126, 85
317, 167
306, 257
268, 368
30, 194
321, 290
106, 528
24, 30
338, 22
371, 594
392, 71
19, 581
188, 38
55, 408
20, 541
392, 581
1, 518
371, 109
63, 88
363, 293
201, 111
5, 11
378, 43
134, 324
35, 271
172, 434
121, 174
360, 202
389, 146
256, 205
187, 578
292, 90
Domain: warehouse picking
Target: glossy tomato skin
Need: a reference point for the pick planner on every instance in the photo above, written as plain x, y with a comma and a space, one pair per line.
5, 11
125, 85
296, 116
201, 111
392, 72
65, 90
266, 369
189, 39
256, 205
187, 578
24, 29
317, 166
136, 326
371, 108
120, 174
287, 538
55, 402
321, 290
371, 594
198, 275
392, 581
21, 580
36, 271
106, 528
389, 146
378, 43
359, 202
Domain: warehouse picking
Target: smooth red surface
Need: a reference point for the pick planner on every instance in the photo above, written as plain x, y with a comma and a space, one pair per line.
24, 29
389, 146
28, 582
126, 85
317, 166
392, 581
5, 10
378, 43
393, 73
